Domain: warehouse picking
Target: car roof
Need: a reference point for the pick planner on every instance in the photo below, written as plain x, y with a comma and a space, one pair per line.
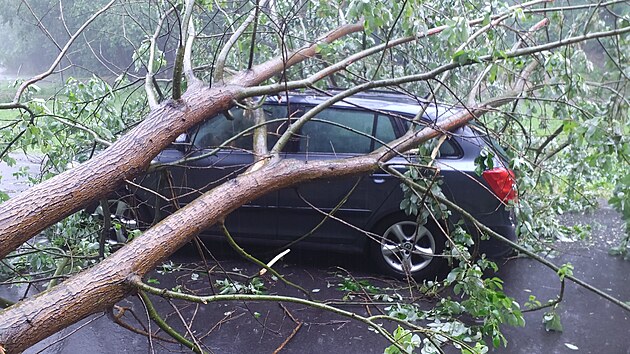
378, 101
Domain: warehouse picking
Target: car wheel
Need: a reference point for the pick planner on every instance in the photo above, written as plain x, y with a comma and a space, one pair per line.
406, 248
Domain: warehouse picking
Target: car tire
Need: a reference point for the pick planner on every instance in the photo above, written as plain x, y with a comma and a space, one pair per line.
403, 248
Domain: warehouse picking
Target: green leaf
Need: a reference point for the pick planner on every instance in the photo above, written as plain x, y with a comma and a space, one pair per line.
565, 270
461, 57
496, 341
552, 322
452, 276
153, 281
492, 75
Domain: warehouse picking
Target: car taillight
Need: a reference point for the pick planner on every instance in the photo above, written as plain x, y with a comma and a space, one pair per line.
501, 181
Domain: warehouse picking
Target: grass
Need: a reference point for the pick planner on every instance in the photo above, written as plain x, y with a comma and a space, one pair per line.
7, 92
7, 114
47, 89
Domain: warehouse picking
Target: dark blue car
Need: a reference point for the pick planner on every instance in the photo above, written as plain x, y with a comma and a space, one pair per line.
366, 213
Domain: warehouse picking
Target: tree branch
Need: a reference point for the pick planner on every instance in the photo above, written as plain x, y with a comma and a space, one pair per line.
41, 26
219, 70
178, 67
148, 81
155, 316
257, 115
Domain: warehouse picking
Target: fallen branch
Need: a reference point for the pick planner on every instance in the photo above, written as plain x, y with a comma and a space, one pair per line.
295, 330
288, 339
516, 246
155, 316
273, 261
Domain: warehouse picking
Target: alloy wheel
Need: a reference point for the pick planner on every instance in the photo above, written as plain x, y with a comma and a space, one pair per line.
407, 246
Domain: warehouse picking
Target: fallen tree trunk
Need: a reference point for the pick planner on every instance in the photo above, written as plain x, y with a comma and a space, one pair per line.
99, 288
25, 215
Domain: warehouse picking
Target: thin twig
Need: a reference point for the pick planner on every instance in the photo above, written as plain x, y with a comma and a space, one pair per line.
288, 339
155, 316
551, 303
190, 333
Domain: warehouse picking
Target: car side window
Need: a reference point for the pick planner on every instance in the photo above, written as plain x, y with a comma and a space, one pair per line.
321, 136
448, 149
384, 130
213, 132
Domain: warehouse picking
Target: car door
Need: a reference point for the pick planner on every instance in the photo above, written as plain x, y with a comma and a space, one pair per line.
257, 219
333, 134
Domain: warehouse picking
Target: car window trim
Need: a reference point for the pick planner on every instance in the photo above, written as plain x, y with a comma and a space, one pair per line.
297, 109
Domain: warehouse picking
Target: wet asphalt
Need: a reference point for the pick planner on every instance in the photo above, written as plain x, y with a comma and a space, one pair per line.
591, 324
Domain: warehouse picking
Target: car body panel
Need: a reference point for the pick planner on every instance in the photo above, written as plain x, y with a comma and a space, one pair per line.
283, 216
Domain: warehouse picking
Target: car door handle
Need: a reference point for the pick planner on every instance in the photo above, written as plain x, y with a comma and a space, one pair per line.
378, 178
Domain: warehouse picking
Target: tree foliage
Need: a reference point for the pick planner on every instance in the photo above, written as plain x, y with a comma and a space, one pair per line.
547, 82
36, 31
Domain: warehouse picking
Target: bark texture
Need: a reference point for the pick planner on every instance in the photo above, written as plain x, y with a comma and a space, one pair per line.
99, 288
29, 213
25, 215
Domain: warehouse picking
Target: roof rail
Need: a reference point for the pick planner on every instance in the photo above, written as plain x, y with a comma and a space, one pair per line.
396, 95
